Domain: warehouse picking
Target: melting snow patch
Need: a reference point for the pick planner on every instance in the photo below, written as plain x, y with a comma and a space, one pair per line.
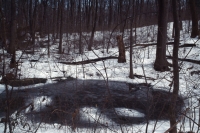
40, 102
2, 88
92, 114
128, 112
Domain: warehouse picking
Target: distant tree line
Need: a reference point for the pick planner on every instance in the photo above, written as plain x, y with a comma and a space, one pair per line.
48, 15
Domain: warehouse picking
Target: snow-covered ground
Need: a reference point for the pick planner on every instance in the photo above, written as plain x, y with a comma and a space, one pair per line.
50, 68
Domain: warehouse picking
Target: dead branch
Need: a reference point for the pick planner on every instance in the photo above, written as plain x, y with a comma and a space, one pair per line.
144, 45
141, 76
89, 61
184, 114
188, 60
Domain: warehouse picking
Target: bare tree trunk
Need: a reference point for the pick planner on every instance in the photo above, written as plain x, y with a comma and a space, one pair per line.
31, 18
161, 63
54, 18
48, 49
175, 67
32, 21
110, 13
13, 32
80, 29
94, 26
57, 24
88, 13
11, 47
61, 26
43, 22
121, 16
180, 16
131, 40
3, 26
194, 14
122, 54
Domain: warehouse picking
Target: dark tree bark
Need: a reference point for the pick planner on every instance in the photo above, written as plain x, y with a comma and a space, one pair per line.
80, 28
161, 63
180, 15
94, 26
141, 11
11, 48
131, 40
88, 13
54, 19
3, 35
194, 15
110, 13
57, 21
43, 21
32, 21
175, 67
120, 11
122, 54
61, 26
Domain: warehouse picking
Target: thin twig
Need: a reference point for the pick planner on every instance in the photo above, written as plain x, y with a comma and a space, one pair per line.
183, 115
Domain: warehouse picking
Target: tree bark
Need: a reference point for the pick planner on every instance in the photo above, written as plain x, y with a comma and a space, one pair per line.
32, 20
110, 14
122, 55
131, 41
61, 26
11, 48
94, 26
3, 26
194, 15
13, 32
161, 63
175, 67
80, 28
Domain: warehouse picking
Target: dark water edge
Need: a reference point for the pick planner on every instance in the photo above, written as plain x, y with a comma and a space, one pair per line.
68, 97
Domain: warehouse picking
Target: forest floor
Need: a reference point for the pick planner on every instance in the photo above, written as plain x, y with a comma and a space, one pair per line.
92, 92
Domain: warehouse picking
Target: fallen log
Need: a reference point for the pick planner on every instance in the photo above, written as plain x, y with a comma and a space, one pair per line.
89, 61
168, 43
24, 82
144, 45
187, 45
188, 60
141, 76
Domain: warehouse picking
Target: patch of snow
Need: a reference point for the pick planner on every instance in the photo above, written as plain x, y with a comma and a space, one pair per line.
129, 112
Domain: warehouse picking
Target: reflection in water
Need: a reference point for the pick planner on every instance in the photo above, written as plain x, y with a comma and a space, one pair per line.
88, 105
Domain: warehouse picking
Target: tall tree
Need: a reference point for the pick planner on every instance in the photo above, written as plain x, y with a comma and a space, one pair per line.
88, 12
54, 19
11, 48
175, 67
80, 28
110, 13
43, 19
194, 15
32, 21
95, 6
61, 4
161, 63
131, 38
3, 34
